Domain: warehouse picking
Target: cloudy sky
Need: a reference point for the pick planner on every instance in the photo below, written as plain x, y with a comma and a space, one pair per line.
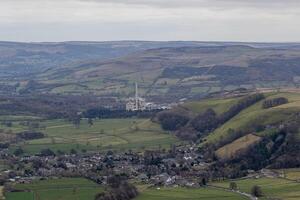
98, 20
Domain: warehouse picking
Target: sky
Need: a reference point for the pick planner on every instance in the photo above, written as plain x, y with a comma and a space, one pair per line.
160, 20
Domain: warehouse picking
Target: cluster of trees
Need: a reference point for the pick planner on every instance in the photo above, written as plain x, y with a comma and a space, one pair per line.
188, 133
152, 157
19, 151
288, 153
119, 189
103, 113
256, 191
269, 103
4, 145
47, 152
30, 135
51, 105
172, 121
205, 122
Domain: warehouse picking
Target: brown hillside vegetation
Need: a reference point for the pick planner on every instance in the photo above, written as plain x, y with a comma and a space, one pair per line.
235, 148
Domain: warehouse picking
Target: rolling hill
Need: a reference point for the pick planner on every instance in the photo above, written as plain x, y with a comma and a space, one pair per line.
242, 130
166, 71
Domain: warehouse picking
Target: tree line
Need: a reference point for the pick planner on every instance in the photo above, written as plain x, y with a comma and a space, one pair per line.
191, 128
104, 113
269, 103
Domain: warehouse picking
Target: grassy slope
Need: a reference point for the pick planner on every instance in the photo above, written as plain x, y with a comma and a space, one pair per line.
65, 189
104, 134
256, 115
1, 192
292, 174
272, 188
219, 105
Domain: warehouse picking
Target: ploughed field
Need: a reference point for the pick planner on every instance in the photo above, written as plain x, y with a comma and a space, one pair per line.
104, 134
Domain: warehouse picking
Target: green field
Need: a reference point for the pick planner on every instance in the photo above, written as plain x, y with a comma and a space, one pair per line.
185, 193
57, 189
219, 105
292, 174
271, 187
104, 134
82, 189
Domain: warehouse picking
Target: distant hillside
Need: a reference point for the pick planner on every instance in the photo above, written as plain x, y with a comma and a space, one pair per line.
166, 71
184, 71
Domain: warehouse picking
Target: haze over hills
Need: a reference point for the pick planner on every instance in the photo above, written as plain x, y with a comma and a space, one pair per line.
173, 69
149, 100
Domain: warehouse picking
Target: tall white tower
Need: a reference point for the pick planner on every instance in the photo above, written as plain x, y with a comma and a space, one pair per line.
136, 96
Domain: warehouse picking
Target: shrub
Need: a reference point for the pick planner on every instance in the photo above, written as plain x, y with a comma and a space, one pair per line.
256, 191
30, 135
233, 186
19, 151
47, 152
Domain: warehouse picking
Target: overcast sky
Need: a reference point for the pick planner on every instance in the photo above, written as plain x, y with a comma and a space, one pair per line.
99, 20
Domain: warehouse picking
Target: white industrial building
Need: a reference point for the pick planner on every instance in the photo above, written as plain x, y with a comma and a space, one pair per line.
139, 104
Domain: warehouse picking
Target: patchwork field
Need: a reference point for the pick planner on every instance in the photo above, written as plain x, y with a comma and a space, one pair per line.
104, 134
64, 189
271, 187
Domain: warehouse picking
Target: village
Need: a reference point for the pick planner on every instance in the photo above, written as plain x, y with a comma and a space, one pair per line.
182, 166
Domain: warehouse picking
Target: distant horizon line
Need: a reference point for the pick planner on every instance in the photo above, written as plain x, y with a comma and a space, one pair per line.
107, 41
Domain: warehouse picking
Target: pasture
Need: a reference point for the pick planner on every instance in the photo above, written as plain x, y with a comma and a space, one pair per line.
104, 134
64, 189
219, 105
179, 193
292, 174
82, 189
271, 187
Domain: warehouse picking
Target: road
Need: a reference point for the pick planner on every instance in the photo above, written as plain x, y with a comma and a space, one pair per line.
248, 196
